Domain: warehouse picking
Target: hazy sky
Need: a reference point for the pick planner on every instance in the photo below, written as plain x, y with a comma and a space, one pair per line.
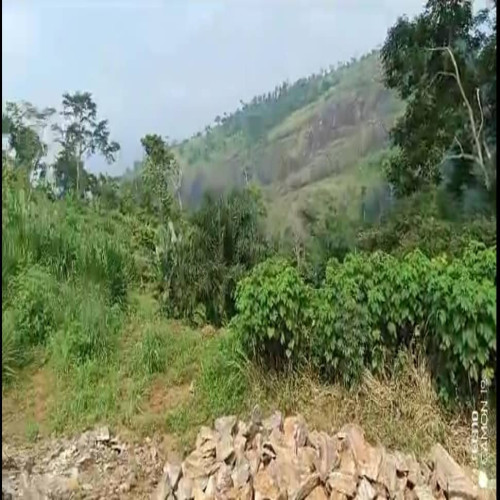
170, 66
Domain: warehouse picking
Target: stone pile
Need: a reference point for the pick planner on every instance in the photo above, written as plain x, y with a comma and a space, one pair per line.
278, 458
92, 465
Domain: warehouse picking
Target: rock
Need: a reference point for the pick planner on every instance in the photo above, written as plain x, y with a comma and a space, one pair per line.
308, 456
241, 473
173, 472
317, 494
450, 477
253, 460
327, 456
198, 493
211, 488
274, 422
243, 429
268, 452
335, 495
184, 489
239, 444
387, 472
423, 492
206, 440
342, 483
367, 458
225, 425
246, 492
414, 476
306, 487
197, 465
102, 435
264, 486
286, 472
401, 463
276, 438
223, 480
365, 490
224, 449
295, 431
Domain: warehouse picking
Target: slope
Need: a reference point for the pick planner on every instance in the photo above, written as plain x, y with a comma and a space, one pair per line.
321, 128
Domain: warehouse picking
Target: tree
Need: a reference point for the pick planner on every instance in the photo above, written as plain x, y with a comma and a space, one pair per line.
81, 134
443, 64
25, 125
159, 168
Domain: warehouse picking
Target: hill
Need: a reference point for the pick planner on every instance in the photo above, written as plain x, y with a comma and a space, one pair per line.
321, 128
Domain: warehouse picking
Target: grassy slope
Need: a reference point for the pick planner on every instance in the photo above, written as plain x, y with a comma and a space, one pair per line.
319, 147
201, 376
85, 350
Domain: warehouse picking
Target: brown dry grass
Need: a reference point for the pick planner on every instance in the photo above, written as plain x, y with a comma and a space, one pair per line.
401, 411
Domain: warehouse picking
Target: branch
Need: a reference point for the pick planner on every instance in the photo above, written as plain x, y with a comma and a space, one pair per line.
479, 160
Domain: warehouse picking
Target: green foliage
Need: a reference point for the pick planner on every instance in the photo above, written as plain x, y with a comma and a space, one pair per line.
160, 167
422, 222
373, 306
11, 358
66, 239
80, 136
200, 262
88, 330
34, 306
151, 353
22, 122
340, 339
437, 63
273, 312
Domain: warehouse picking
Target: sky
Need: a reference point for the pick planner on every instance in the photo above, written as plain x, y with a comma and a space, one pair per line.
171, 66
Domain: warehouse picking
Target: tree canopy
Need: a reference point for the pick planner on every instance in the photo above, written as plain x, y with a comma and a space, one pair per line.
443, 63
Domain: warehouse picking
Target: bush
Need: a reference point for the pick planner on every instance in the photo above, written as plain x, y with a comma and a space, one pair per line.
373, 306
273, 312
418, 223
198, 269
34, 305
340, 339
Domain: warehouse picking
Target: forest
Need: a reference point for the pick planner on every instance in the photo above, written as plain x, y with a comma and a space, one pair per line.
111, 284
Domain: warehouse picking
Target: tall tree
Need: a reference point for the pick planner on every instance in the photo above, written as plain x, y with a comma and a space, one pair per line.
443, 64
81, 134
25, 125
161, 172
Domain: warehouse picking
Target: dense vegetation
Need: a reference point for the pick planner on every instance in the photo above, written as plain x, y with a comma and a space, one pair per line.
409, 270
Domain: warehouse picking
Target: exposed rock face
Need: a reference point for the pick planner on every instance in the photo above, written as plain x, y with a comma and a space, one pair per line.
278, 458
266, 458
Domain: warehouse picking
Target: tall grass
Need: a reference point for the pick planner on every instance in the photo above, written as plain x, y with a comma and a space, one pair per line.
65, 275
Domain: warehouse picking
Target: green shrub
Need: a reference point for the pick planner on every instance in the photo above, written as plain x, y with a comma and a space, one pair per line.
341, 335
197, 271
462, 318
373, 306
35, 305
273, 305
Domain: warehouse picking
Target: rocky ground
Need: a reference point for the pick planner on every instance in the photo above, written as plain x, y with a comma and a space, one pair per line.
272, 458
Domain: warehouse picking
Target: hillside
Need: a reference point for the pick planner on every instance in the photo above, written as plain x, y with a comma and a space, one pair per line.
323, 128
